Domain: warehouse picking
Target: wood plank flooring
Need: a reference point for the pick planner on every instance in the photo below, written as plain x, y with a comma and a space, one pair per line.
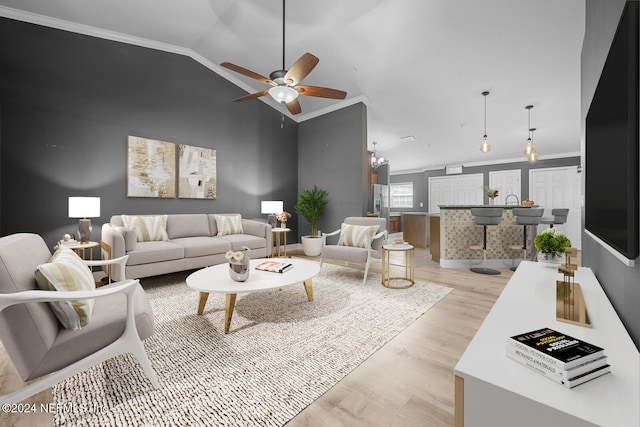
408, 382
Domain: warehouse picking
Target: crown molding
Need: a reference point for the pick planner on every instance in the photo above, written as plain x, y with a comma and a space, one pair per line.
60, 24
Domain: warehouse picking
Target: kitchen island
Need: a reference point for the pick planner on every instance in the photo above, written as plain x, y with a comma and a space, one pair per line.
458, 233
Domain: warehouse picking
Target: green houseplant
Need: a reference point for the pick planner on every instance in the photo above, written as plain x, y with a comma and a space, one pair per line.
310, 204
551, 243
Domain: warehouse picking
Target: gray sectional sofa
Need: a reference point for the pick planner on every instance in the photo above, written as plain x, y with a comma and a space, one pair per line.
193, 242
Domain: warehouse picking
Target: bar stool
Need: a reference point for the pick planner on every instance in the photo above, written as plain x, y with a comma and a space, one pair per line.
485, 217
524, 217
559, 217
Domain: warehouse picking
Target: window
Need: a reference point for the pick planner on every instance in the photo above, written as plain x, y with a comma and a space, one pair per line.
402, 195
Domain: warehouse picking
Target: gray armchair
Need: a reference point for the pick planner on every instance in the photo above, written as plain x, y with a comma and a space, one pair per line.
371, 249
39, 346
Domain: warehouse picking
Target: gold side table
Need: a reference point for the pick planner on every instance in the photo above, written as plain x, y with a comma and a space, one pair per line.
277, 232
408, 265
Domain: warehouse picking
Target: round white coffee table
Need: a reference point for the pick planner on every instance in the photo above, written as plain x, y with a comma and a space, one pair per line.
216, 279
408, 265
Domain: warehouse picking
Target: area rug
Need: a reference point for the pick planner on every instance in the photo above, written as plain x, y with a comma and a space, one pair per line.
282, 352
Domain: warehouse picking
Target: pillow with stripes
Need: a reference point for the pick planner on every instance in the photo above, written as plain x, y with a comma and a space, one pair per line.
357, 236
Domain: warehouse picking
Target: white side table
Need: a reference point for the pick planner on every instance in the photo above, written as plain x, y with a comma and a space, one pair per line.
408, 265
277, 232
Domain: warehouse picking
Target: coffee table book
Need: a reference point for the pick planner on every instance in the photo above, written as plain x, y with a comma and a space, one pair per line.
544, 368
567, 382
274, 266
557, 349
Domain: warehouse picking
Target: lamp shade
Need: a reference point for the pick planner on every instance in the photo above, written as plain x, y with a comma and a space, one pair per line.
84, 207
283, 94
271, 206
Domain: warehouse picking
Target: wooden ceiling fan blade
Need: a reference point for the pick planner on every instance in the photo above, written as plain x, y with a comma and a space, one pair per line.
252, 96
321, 92
294, 106
248, 73
300, 69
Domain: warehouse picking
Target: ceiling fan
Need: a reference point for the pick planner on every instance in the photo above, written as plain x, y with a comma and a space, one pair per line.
286, 83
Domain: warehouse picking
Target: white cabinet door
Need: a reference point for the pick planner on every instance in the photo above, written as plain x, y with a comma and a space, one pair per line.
509, 183
455, 190
552, 188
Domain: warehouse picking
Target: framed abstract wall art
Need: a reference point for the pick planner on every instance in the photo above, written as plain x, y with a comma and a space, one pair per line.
151, 168
196, 172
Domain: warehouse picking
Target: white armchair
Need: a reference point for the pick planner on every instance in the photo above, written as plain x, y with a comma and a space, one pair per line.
362, 249
37, 344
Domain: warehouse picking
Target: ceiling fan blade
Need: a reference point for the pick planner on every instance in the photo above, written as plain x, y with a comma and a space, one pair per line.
251, 96
300, 69
321, 92
248, 73
294, 106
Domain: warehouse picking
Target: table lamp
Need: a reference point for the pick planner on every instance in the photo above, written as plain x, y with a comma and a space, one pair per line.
84, 208
272, 208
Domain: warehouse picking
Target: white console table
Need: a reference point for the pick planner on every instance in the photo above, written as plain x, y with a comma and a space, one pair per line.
493, 390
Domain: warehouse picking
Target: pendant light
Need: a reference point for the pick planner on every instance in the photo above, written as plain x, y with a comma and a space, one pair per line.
529, 147
533, 156
485, 147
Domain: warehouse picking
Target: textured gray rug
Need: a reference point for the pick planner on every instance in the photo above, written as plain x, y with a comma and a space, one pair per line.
281, 353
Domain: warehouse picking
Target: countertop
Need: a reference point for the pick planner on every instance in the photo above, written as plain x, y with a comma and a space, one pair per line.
484, 206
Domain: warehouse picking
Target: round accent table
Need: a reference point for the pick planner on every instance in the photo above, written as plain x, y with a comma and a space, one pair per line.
387, 249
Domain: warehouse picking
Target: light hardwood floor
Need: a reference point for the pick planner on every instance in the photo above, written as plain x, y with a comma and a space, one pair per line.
408, 382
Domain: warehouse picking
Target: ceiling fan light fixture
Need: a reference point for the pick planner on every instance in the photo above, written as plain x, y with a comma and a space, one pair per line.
283, 94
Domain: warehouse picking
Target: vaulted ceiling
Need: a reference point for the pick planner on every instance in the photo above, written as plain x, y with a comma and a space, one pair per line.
420, 66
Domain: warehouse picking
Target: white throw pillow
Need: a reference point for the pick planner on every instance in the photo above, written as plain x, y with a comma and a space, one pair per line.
66, 271
228, 224
356, 235
148, 228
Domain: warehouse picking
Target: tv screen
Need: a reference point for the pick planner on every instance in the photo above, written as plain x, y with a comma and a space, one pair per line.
611, 156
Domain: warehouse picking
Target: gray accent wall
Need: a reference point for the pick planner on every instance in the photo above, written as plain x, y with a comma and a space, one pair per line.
68, 103
620, 283
332, 154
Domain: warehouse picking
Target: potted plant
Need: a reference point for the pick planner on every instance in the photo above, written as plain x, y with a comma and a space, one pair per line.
551, 244
310, 205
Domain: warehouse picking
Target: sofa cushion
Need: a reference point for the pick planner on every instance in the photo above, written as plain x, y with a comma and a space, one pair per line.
187, 225
229, 224
357, 236
147, 227
202, 246
237, 241
148, 252
66, 271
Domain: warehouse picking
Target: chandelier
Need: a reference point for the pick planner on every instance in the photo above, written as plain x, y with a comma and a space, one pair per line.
375, 160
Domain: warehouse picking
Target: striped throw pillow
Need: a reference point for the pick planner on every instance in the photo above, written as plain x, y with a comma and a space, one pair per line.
228, 224
65, 271
148, 228
357, 236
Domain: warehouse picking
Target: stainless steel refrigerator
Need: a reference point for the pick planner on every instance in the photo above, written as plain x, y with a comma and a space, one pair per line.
380, 203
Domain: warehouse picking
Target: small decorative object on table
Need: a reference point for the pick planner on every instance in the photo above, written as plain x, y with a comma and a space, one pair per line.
551, 244
492, 193
238, 264
528, 202
283, 217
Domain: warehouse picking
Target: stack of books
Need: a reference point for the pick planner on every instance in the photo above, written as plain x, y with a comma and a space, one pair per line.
274, 266
559, 357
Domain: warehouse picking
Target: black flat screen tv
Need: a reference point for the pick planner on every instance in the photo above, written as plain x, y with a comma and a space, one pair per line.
611, 154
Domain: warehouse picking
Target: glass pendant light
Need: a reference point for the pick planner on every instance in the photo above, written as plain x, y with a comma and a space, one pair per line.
529, 147
485, 147
533, 155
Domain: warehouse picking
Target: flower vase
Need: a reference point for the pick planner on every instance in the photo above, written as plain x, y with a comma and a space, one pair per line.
491, 201
239, 270
283, 225
550, 259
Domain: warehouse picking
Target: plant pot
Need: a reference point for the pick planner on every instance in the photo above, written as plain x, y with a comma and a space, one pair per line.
312, 245
550, 260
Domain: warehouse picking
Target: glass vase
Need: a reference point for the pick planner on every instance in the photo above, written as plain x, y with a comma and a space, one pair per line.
550, 259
